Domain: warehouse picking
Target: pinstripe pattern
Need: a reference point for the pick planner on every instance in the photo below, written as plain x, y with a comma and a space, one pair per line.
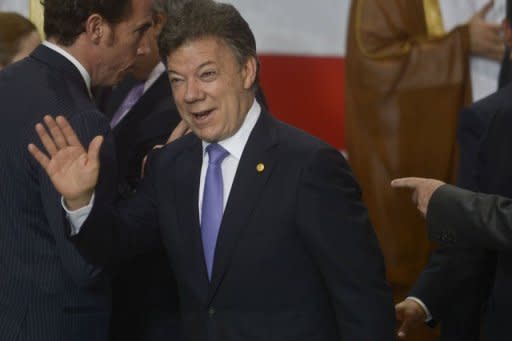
47, 291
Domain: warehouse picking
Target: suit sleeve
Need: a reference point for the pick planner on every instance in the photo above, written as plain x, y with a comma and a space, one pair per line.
335, 227
113, 233
455, 214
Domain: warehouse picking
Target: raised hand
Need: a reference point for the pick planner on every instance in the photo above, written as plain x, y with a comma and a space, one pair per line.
486, 39
181, 130
72, 170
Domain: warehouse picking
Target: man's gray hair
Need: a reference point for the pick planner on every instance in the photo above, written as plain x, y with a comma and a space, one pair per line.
168, 6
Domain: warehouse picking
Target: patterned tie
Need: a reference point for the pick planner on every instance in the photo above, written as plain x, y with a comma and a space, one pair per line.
213, 203
129, 101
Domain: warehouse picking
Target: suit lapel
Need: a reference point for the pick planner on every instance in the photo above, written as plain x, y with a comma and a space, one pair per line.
261, 149
147, 103
118, 95
188, 172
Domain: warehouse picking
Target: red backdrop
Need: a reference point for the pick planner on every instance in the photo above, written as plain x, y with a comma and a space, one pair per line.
307, 92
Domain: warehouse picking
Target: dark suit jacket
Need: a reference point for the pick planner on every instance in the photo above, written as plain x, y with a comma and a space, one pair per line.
47, 290
145, 298
148, 123
492, 176
455, 284
296, 255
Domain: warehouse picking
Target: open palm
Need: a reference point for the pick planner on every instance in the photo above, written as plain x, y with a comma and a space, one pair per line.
72, 170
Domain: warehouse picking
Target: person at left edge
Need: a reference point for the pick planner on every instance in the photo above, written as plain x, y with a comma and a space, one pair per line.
48, 292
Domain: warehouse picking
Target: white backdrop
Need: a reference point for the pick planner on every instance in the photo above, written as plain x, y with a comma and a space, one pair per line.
312, 27
299, 27
20, 6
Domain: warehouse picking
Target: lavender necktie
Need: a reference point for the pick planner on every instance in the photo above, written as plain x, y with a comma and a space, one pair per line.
129, 101
213, 203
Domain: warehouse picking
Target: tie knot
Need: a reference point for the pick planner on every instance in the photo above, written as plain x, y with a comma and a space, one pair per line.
216, 153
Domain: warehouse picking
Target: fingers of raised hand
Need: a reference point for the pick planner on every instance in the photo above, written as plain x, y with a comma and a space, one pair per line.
46, 139
68, 132
485, 9
180, 130
39, 155
94, 148
56, 132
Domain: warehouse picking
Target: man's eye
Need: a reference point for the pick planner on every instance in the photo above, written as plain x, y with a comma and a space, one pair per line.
175, 81
208, 75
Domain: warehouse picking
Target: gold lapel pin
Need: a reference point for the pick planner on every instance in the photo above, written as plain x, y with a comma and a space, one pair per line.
260, 167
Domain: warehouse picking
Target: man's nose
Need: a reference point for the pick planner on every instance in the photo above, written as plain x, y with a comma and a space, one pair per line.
144, 45
192, 91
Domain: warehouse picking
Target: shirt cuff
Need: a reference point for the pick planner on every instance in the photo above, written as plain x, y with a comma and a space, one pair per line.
423, 306
77, 218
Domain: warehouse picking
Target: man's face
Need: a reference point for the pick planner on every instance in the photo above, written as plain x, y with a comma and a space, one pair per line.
122, 43
211, 90
145, 63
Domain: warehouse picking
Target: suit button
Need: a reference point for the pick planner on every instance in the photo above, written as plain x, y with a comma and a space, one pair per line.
211, 311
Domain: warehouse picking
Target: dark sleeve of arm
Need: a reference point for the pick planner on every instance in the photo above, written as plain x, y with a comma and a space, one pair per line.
114, 233
334, 224
455, 214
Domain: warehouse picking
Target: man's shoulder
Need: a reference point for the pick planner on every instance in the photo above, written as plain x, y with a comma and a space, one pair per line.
183, 147
497, 101
295, 139
481, 114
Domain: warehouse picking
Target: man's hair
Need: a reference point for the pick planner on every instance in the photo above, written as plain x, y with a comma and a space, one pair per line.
64, 20
206, 18
168, 6
13, 29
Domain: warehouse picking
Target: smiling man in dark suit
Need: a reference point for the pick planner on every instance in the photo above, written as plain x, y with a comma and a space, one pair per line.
47, 290
263, 224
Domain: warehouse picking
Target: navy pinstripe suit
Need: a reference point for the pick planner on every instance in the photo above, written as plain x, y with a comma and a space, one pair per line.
47, 291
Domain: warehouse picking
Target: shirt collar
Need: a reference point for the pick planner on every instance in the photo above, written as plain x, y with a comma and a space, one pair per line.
235, 144
74, 61
153, 76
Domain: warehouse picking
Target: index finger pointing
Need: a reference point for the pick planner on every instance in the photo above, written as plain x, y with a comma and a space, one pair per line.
410, 182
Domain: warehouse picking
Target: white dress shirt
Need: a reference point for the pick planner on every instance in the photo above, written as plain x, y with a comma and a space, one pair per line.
234, 145
74, 61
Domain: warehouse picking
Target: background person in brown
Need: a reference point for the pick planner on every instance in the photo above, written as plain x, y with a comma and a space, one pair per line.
18, 38
406, 82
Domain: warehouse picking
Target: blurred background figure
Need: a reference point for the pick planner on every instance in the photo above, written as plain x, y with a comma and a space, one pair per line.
411, 67
142, 114
465, 287
18, 38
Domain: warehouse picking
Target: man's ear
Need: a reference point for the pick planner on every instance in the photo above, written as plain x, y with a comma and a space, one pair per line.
95, 27
159, 20
249, 72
